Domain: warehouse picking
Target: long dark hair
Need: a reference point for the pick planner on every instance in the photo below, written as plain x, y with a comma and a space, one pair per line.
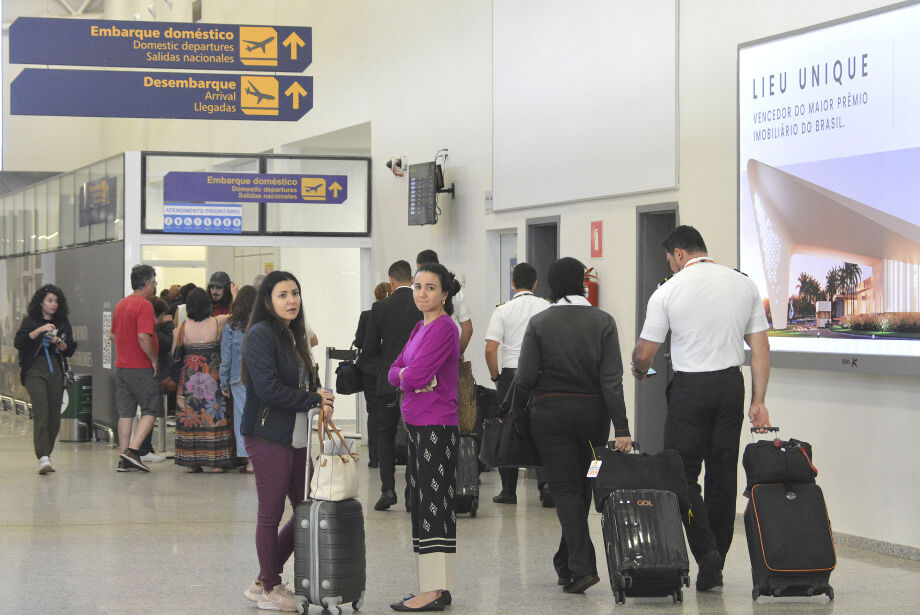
566, 277
35, 303
263, 310
448, 283
242, 307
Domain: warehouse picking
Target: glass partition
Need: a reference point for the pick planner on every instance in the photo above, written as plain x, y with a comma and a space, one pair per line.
47, 216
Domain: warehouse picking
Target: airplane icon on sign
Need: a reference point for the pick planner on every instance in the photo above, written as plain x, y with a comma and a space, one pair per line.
312, 188
254, 91
253, 45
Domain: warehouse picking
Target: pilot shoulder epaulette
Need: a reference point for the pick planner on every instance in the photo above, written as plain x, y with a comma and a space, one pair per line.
741, 272
661, 283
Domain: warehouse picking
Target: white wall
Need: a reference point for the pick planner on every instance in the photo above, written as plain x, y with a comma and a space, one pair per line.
420, 73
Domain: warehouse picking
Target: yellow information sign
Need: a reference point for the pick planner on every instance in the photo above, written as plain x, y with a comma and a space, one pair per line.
258, 46
259, 95
313, 189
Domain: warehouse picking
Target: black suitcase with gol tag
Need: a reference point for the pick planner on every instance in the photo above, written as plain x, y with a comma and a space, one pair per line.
644, 541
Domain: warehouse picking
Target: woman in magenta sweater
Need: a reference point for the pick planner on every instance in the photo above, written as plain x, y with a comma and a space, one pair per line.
426, 373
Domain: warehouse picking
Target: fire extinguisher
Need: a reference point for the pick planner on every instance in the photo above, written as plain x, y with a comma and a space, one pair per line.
591, 286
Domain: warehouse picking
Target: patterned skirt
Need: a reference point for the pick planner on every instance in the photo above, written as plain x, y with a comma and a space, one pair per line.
432, 469
204, 435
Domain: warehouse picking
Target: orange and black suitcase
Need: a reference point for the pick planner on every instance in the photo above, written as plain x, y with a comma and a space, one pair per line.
789, 540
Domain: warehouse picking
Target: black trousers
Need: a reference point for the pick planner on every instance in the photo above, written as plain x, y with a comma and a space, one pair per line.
369, 380
388, 413
563, 427
705, 415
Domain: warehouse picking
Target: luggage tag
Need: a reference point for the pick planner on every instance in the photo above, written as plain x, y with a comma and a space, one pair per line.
595, 466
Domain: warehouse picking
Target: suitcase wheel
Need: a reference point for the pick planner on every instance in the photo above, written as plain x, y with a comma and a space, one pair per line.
620, 597
755, 594
678, 595
326, 611
830, 593
685, 580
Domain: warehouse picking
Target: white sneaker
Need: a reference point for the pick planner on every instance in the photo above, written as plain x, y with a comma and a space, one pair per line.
255, 591
44, 465
279, 598
153, 458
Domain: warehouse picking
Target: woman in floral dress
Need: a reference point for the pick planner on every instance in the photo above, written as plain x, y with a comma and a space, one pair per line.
203, 433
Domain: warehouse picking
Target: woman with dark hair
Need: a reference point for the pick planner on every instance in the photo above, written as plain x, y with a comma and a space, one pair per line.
203, 436
570, 363
426, 374
43, 339
231, 358
280, 382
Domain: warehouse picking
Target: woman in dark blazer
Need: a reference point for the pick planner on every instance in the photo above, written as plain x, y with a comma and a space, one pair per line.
368, 367
43, 339
570, 362
278, 371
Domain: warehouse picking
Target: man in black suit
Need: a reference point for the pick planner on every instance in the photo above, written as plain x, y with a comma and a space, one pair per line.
388, 329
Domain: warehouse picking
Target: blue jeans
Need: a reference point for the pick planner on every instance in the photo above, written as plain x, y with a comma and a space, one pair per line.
239, 400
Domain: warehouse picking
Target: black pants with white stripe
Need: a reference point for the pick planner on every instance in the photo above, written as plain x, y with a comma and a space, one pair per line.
432, 477
705, 415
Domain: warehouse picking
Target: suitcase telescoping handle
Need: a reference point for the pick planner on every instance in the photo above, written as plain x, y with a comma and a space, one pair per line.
312, 412
767, 430
635, 447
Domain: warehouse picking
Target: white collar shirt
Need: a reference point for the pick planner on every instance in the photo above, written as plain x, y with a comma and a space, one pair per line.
509, 322
708, 308
571, 300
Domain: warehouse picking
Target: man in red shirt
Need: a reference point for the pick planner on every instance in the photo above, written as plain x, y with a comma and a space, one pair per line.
134, 334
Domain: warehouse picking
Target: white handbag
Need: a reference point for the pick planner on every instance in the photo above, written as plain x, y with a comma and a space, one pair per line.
335, 477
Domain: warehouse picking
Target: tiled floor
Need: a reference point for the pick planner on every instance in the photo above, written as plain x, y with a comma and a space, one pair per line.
88, 540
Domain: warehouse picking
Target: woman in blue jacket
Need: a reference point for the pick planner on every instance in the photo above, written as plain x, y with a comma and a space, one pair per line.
231, 358
278, 371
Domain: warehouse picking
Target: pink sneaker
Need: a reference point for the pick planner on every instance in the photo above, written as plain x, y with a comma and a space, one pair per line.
255, 591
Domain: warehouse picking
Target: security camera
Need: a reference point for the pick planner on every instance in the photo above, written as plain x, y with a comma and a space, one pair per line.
398, 165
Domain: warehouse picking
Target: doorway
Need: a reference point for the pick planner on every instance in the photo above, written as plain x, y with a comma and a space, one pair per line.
654, 224
542, 249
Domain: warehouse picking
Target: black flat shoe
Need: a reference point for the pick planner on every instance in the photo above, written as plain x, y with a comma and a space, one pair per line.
387, 499
580, 584
435, 605
503, 498
563, 580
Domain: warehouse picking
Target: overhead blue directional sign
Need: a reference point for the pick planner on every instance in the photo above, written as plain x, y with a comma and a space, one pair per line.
144, 94
146, 44
203, 186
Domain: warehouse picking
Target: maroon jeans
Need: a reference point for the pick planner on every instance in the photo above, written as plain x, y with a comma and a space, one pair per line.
280, 473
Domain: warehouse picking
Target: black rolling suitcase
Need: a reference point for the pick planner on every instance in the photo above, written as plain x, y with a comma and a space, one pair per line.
330, 566
789, 540
644, 542
467, 496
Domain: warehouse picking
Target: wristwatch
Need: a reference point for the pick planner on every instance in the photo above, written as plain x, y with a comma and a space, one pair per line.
638, 371
496, 379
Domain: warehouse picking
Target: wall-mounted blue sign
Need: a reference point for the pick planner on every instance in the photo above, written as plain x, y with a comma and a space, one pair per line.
146, 44
254, 188
199, 96
98, 201
196, 218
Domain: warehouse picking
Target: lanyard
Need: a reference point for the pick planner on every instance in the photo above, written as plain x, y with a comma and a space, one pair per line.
47, 356
699, 259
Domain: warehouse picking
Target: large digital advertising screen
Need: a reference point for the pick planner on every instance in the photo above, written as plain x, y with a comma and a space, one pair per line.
829, 183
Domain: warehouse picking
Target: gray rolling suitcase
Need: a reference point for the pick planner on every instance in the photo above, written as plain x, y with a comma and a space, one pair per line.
329, 550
